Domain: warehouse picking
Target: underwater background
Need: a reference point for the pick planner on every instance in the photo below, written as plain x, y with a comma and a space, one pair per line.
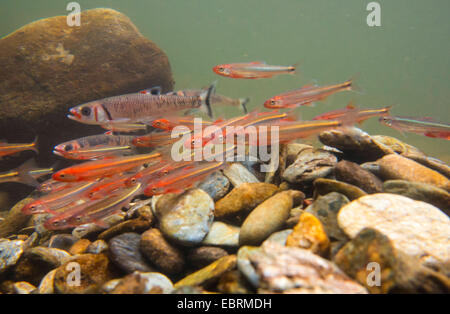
405, 62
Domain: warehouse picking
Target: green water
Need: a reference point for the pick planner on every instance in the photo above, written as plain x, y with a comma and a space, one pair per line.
405, 62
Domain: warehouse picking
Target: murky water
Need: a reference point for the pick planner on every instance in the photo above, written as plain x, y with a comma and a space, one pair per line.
405, 62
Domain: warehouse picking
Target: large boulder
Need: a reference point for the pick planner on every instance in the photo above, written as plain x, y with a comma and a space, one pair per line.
47, 67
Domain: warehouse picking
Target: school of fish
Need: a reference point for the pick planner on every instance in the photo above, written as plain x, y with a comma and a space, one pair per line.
117, 168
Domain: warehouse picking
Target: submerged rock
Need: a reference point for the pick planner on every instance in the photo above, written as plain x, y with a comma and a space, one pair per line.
371, 260
268, 217
295, 270
309, 165
324, 186
133, 225
10, 252
397, 167
420, 192
97, 247
352, 173
245, 266
243, 199
48, 66
62, 241
355, 143
140, 283
238, 174
15, 219
125, 253
216, 185
309, 234
209, 274
189, 219
166, 257
205, 255
79, 247
93, 269
222, 234
414, 227
326, 208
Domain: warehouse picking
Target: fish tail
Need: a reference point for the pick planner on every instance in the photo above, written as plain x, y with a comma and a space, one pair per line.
293, 69
24, 175
34, 145
206, 99
350, 84
243, 102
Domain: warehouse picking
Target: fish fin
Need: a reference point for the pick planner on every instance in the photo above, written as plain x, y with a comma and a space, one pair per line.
109, 132
257, 62
206, 99
34, 145
243, 102
353, 86
156, 90
23, 170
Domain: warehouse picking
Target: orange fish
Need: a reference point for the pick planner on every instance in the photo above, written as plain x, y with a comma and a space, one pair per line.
10, 149
252, 70
169, 123
359, 114
107, 167
158, 139
306, 95
50, 202
424, 126
179, 180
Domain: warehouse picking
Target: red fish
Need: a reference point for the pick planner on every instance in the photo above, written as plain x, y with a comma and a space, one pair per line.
424, 126
306, 95
10, 149
360, 115
107, 167
95, 147
183, 178
252, 70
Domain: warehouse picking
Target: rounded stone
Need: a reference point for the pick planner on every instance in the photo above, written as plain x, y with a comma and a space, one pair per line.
188, 221
244, 198
93, 269
268, 217
161, 253
125, 253
414, 227
352, 173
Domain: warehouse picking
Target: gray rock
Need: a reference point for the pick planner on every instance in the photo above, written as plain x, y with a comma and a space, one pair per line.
222, 234
414, 227
309, 165
125, 253
62, 241
295, 270
10, 252
245, 266
216, 185
326, 209
49, 256
279, 237
355, 143
189, 219
238, 174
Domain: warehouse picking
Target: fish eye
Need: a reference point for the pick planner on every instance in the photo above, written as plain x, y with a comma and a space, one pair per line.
154, 190
78, 218
221, 69
68, 147
55, 223
86, 111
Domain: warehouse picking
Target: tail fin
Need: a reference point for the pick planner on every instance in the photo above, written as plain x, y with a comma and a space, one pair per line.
206, 99
24, 175
34, 145
354, 87
243, 102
